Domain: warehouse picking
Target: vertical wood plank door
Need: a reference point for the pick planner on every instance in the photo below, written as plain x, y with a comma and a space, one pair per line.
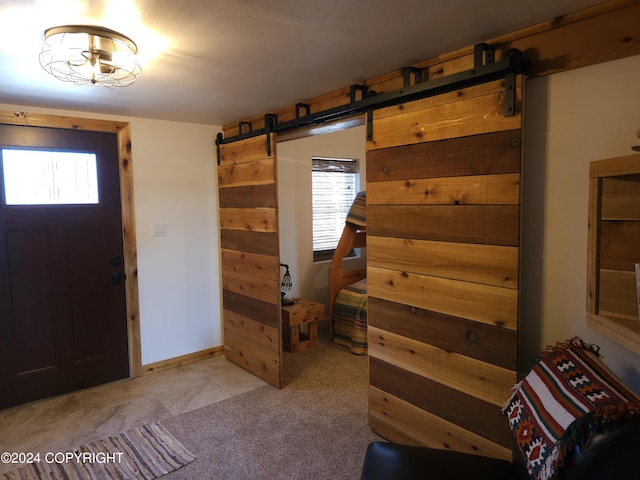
250, 257
443, 246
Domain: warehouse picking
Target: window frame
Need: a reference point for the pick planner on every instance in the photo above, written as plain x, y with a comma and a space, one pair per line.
53, 177
321, 164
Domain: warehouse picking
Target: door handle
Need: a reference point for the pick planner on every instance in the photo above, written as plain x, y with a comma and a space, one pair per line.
116, 278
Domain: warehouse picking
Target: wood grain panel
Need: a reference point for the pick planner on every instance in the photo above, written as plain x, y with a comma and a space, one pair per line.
470, 116
619, 248
611, 250
487, 343
590, 40
256, 309
593, 239
64, 122
438, 68
621, 198
479, 379
618, 295
251, 330
443, 233
483, 303
249, 240
250, 196
182, 360
245, 174
486, 224
129, 243
623, 331
253, 357
610, 167
488, 88
467, 190
589, 36
249, 219
259, 288
447, 403
260, 266
406, 423
246, 151
487, 264
262, 243
490, 153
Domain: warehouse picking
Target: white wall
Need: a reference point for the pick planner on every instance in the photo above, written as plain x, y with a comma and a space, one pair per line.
571, 119
175, 181
310, 280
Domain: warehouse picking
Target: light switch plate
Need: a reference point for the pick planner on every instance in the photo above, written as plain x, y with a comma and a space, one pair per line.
160, 229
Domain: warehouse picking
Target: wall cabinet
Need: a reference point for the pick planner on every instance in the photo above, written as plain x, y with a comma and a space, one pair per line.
614, 249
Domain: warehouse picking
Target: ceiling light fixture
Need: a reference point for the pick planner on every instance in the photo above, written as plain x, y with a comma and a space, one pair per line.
90, 55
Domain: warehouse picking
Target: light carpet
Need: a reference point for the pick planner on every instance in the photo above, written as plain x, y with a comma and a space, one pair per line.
316, 427
144, 453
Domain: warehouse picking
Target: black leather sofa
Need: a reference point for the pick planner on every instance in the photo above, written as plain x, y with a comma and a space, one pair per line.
390, 461
613, 454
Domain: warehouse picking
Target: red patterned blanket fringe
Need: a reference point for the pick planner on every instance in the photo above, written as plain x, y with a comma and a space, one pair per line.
575, 342
582, 431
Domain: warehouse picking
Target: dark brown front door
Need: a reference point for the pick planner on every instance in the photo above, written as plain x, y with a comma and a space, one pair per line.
62, 299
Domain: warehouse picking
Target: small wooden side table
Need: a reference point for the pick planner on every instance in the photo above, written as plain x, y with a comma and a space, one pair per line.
301, 312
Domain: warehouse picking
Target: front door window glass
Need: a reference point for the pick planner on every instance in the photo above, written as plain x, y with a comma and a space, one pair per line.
37, 177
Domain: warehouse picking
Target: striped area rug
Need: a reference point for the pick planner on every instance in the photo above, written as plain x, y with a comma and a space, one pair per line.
143, 453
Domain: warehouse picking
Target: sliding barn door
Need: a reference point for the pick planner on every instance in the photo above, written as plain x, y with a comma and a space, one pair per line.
443, 236
252, 318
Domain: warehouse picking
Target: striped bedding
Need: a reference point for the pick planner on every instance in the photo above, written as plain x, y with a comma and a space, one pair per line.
350, 317
358, 212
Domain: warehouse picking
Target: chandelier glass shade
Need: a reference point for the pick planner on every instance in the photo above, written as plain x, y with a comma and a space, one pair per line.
90, 55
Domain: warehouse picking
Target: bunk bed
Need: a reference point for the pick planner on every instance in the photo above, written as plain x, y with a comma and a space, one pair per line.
348, 287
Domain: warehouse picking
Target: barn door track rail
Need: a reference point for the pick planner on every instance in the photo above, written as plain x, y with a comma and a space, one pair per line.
364, 100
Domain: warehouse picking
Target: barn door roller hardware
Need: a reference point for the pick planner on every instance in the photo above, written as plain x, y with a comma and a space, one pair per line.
406, 76
485, 69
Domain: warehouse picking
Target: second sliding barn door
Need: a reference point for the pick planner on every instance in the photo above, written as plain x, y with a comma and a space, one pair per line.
249, 240
443, 238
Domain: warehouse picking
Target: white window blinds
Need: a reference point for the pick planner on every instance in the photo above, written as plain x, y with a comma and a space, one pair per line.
334, 187
38, 177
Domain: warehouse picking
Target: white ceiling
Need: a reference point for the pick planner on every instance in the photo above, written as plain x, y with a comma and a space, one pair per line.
221, 61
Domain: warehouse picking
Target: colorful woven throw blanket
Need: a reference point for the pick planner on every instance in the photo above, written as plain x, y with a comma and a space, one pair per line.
565, 399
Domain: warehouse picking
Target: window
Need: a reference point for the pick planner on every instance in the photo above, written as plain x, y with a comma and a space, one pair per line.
334, 187
37, 177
